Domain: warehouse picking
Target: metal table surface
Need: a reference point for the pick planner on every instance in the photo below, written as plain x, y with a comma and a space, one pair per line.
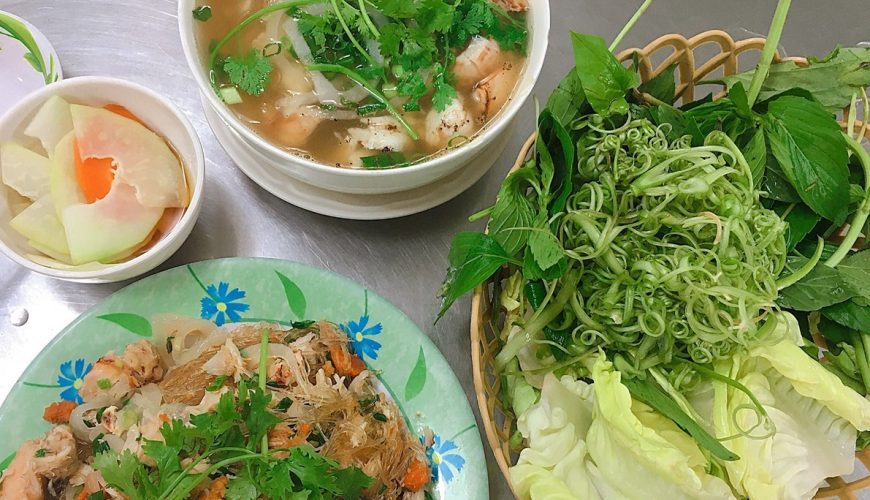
403, 260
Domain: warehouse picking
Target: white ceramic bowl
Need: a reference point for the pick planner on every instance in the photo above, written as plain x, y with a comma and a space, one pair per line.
376, 181
159, 115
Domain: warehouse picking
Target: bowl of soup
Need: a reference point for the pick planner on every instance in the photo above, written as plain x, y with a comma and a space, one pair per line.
102, 180
366, 96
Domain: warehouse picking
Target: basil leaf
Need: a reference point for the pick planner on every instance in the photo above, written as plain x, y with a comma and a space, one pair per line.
801, 220
604, 79
384, 160
545, 248
474, 257
831, 80
834, 332
513, 212
856, 271
645, 391
822, 287
755, 153
662, 86
532, 271
680, 124
807, 143
556, 175
775, 184
567, 101
849, 314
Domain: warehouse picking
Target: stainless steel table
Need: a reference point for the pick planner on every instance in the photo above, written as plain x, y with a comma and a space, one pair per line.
403, 260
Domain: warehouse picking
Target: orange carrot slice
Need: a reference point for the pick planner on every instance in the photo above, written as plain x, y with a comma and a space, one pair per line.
94, 175
417, 476
126, 113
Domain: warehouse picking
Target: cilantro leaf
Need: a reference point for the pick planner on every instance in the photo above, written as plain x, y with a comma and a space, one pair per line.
444, 92
250, 72
399, 9
125, 472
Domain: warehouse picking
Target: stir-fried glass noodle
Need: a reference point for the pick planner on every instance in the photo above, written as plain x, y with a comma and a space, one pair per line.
205, 410
364, 83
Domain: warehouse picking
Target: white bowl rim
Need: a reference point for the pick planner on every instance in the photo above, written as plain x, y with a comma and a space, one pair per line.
534, 64
191, 212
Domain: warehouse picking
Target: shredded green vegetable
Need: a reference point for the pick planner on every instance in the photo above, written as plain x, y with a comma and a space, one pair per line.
675, 256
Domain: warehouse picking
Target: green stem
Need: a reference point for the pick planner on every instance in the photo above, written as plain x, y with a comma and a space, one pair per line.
349, 34
773, 36
182, 493
353, 75
861, 358
262, 372
212, 56
368, 21
630, 24
796, 276
860, 216
532, 330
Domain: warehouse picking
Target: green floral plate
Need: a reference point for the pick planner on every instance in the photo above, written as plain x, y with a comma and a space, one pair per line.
232, 290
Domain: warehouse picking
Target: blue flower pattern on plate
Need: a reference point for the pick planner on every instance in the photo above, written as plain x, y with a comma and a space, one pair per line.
444, 459
71, 379
222, 304
359, 337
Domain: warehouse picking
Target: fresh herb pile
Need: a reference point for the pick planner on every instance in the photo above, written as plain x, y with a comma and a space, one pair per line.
415, 43
232, 439
687, 251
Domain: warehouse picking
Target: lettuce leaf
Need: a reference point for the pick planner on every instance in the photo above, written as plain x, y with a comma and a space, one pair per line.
554, 464
640, 453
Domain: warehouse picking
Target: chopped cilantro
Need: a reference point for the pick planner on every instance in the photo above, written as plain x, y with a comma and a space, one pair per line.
202, 13
216, 384
227, 439
39, 453
99, 444
250, 72
384, 160
97, 495
104, 383
379, 416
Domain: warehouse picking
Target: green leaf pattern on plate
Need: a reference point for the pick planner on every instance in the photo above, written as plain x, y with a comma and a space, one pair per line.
133, 323
285, 301
16, 30
417, 379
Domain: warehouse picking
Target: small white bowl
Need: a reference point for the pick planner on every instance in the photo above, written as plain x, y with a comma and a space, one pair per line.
159, 115
377, 181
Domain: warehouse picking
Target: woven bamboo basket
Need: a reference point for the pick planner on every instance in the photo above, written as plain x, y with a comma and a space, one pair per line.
703, 56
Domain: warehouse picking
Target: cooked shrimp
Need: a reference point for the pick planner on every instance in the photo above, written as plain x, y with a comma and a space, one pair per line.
479, 59
294, 130
114, 377
19, 481
512, 5
495, 90
442, 126
381, 133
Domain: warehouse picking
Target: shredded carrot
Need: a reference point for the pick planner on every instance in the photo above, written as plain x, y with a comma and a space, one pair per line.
164, 417
126, 113
216, 490
85, 493
417, 476
345, 363
94, 175
59, 412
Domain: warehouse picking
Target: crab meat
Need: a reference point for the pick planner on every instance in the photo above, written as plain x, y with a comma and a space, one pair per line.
481, 58
454, 121
142, 362
50, 457
494, 91
281, 373
381, 133
227, 362
59, 461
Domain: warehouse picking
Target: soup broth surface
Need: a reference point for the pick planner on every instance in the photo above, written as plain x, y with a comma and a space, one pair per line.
330, 118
